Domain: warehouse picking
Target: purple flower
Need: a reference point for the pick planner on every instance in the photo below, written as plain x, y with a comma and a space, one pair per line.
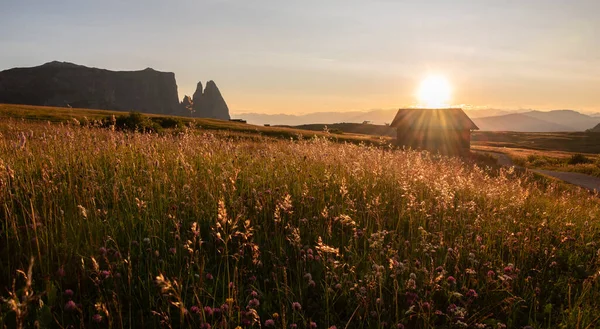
69, 293
311, 283
254, 294
270, 323
253, 303
224, 308
105, 274
508, 269
313, 325
400, 326
491, 274
205, 326
216, 311
411, 297
333, 327
451, 308
195, 309
70, 306
296, 306
293, 326
102, 251
425, 306
472, 293
97, 318
451, 280
209, 276
208, 311
439, 269
173, 250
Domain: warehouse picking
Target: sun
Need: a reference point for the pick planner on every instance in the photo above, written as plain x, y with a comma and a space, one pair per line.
434, 92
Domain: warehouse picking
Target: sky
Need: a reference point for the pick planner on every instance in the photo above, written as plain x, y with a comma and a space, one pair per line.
284, 56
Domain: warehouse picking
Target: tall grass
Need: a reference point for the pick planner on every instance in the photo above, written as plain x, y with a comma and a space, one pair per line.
209, 229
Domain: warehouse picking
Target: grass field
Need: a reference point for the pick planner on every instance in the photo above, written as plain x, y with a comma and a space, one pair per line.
216, 228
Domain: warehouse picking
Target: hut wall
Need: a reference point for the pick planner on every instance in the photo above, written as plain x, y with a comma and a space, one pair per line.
435, 140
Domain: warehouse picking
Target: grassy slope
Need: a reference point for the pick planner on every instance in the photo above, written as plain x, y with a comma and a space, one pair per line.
60, 114
165, 230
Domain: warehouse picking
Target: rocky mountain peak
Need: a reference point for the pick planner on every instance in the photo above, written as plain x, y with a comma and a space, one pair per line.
209, 103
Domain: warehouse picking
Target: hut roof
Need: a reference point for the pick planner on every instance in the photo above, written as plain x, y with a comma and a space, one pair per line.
448, 118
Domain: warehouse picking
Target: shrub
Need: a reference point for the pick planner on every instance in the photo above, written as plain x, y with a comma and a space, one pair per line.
136, 121
576, 159
167, 122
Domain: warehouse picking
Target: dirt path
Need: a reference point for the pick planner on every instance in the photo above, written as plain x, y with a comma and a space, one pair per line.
586, 181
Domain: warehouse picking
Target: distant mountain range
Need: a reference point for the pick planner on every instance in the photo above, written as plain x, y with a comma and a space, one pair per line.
485, 119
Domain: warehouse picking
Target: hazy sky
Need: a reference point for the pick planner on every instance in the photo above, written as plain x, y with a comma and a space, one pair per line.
285, 56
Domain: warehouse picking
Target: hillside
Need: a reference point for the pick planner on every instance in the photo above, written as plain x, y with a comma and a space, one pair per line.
518, 122
61, 114
569, 118
204, 229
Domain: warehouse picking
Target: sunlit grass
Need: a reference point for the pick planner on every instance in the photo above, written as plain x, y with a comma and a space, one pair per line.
217, 229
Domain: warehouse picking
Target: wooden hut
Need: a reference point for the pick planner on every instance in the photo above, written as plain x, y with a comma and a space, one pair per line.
446, 130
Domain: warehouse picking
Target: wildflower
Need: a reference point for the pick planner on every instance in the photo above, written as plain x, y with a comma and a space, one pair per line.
205, 326
209, 276
61, 272
173, 251
508, 269
253, 303
224, 308
311, 284
102, 251
451, 280
70, 306
195, 309
333, 327
69, 293
472, 293
400, 326
208, 311
270, 323
293, 326
97, 318
254, 294
439, 269
425, 306
313, 325
105, 274
296, 306
491, 274
452, 308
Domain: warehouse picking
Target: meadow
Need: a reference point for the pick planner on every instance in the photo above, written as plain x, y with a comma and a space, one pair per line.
201, 228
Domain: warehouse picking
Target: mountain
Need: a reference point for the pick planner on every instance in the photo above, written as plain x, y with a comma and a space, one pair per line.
381, 116
596, 129
486, 119
574, 120
67, 84
518, 122
209, 103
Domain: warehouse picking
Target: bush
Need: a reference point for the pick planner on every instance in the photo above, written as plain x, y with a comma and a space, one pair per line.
167, 122
136, 121
579, 159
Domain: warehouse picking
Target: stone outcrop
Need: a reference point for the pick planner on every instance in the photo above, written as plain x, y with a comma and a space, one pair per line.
66, 84
209, 103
